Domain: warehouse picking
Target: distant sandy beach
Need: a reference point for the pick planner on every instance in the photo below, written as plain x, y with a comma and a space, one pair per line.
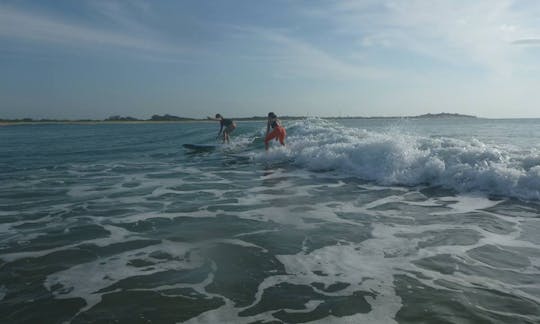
96, 122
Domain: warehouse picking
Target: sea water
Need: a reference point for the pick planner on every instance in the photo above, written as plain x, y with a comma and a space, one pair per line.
353, 221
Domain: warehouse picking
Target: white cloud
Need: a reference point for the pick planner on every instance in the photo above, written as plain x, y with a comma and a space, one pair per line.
455, 32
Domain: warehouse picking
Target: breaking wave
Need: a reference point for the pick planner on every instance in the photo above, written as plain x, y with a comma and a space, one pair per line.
395, 157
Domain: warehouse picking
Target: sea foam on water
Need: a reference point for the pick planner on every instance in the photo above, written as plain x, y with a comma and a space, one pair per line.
397, 157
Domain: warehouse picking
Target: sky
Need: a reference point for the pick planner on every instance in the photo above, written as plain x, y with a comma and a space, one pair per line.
192, 58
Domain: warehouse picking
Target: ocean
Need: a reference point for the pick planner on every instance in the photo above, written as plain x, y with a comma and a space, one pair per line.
353, 221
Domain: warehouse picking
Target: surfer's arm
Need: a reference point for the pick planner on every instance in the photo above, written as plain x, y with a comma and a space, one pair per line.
212, 118
220, 129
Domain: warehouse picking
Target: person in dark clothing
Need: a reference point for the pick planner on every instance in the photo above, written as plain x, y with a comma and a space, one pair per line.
227, 126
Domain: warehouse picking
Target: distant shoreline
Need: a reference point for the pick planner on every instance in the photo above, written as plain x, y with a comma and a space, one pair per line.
173, 119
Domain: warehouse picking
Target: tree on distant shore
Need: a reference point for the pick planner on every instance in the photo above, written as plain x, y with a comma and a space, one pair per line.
21, 120
120, 118
168, 117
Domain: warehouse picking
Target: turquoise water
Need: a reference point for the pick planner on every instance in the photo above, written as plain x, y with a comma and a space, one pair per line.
354, 221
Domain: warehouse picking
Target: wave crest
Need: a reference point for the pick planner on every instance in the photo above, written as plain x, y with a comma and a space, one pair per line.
395, 157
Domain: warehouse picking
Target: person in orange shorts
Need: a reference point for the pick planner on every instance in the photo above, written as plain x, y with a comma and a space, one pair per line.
278, 132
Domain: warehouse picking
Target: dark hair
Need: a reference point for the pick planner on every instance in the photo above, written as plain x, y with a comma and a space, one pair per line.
271, 114
218, 116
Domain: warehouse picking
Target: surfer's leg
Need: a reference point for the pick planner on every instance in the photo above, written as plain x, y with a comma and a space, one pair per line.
282, 135
228, 131
273, 134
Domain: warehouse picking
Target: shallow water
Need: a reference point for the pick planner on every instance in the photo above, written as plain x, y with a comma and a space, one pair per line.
355, 221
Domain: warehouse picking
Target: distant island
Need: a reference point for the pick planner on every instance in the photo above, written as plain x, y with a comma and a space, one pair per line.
172, 118
445, 115
426, 116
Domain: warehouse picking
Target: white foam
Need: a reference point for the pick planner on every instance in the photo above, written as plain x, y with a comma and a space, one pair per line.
117, 234
3, 292
363, 267
396, 157
467, 203
104, 272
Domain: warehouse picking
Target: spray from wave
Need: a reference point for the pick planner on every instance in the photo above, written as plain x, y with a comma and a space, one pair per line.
395, 157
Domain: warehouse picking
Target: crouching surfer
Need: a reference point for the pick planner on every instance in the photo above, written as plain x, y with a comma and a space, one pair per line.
227, 126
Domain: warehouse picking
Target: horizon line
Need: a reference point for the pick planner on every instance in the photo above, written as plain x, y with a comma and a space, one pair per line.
173, 118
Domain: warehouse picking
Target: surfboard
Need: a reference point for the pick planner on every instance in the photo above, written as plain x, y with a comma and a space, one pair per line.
201, 147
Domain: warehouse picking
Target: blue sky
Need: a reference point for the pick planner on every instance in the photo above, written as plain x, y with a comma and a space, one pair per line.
94, 59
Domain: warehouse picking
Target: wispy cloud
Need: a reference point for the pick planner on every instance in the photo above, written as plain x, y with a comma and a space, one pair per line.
125, 14
16, 24
307, 59
457, 33
449, 34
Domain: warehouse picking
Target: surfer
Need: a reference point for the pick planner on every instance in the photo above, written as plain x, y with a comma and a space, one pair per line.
278, 132
228, 124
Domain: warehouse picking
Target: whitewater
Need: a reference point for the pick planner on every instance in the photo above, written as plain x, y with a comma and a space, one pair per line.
353, 221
